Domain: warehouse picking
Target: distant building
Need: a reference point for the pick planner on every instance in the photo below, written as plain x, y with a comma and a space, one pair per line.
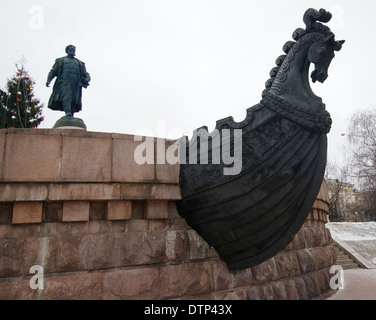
346, 202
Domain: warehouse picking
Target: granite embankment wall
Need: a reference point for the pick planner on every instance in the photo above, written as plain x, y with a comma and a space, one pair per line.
103, 227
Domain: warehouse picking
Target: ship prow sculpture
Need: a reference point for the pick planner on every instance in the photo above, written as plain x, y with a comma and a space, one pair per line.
251, 213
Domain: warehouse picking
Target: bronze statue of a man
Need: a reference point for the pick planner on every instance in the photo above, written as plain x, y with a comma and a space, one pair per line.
71, 76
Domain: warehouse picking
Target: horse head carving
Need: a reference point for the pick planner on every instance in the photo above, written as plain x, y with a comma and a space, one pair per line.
315, 44
321, 54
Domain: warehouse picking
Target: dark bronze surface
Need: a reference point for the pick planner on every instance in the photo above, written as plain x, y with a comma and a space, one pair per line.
252, 215
71, 77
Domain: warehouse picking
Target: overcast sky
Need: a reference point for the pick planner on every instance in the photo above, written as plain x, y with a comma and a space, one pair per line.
166, 67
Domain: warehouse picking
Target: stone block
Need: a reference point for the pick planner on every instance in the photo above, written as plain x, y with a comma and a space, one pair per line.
301, 288
253, 293
82, 286
150, 191
108, 250
40, 251
86, 159
16, 289
159, 224
323, 192
265, 271
6, 213
321, 282
139, 225
274, 291
125, 167
286, 265
322, 257
223, 279
199, 248
173, 211
2, 147
119, 210
56, 254
84, 134
315, 214
242, 277
298, 242
291, 290
154, 247
137, 209
166, 168
309, 239
311, 286
84, 191
12, 192
71, 253
306, 261
27, 212
33, 132
318, 237
321, 205
53, 212
122, 136
177, 245
97, 211
156, 209
76, 211
32, 158
237, 294
186, 280
11, 252
132, 284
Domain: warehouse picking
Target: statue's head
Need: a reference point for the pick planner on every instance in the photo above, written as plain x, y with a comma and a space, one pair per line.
71, 50
321, 54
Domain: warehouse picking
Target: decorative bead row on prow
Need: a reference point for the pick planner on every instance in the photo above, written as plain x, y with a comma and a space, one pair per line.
273, 73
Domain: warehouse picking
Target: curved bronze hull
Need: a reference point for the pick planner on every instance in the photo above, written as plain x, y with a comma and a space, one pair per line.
251, 216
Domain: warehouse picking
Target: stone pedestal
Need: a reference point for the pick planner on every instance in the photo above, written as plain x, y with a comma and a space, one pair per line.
68, 122
102, 226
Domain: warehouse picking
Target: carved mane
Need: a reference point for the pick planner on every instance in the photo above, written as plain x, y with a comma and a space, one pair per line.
310, 19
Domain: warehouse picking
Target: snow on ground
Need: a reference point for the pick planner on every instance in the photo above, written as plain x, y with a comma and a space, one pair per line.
353, 231
361, 236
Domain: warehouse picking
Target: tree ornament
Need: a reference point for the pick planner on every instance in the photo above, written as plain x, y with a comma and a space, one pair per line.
19, 108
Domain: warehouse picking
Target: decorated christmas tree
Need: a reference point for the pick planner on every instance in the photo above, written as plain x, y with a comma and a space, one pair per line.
19, 108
